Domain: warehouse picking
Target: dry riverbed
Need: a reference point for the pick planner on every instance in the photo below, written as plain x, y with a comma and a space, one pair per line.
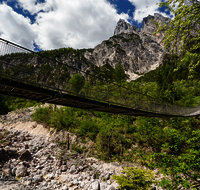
30, 154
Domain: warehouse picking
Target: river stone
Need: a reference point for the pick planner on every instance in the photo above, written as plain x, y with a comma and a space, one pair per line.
72, 169
44, 184
103, 185
21, 171
37, 178
95, 186
107, 176
63, 168
65, 188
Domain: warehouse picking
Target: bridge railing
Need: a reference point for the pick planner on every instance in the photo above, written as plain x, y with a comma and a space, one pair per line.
21, 64
7, 47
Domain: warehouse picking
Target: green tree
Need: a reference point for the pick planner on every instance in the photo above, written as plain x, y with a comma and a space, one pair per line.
180, 161
165, 79
107, 72
104, 73
119, 73
76, 83
182, 35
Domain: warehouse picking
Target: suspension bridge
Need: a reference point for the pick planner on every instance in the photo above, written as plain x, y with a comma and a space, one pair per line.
43, 81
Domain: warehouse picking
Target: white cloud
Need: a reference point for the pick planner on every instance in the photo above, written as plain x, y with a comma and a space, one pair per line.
15, 27
67, 23
143, 8
34, 7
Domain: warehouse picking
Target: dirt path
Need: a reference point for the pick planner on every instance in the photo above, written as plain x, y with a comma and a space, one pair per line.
31, 127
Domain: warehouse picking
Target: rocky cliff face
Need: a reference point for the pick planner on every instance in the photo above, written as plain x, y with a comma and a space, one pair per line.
148, 27
137, 49
188, 2
124, 27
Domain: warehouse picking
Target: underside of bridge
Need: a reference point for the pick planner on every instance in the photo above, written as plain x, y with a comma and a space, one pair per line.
35, 93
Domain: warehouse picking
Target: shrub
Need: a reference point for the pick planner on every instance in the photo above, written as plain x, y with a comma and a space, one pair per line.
42, 114
135, 178
77, 148
88, 127
63, 118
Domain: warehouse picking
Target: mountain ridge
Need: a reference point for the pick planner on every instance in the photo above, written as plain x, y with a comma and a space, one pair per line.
137, 49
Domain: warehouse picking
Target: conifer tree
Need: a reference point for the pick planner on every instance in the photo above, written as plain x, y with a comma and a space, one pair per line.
119, 73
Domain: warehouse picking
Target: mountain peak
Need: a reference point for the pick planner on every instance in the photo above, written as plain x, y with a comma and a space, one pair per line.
147, 25
124, 27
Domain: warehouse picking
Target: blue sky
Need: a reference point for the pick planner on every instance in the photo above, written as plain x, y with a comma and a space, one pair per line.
52, 24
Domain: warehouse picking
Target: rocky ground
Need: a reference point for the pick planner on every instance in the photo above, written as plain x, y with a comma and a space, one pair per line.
30, 159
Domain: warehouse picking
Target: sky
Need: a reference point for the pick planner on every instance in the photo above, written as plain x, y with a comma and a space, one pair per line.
52, 24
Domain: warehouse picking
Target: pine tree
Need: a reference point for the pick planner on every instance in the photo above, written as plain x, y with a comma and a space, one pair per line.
119, 73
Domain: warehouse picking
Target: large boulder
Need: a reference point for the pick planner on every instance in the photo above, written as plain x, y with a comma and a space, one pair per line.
12, 152
103, 185
72, 169
21, 170
3, 154
25, 155
37, 178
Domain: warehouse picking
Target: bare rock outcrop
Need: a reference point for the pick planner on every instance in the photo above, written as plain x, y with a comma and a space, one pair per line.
148, 27
138, 50
124, 27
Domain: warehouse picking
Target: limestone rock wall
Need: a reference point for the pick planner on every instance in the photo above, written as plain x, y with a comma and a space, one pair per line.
124, 27
137, 49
